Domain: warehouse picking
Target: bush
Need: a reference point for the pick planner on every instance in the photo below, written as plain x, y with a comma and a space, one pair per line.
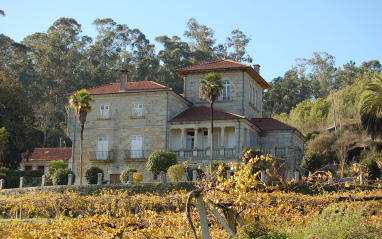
176, 172
60, 177
369, 163
161, 161
11, 177
91, 175
125, 174
34, 173
137, 177
215, 166
199, 174
55, 165
312, 161
258, 230
253, 154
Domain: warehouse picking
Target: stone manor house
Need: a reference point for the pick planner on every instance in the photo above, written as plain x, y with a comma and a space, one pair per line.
130, 120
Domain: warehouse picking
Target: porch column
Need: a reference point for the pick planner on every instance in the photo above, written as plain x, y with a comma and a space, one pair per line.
182, 139
222, 142
196, 138
209, 142
195, 149
222, 137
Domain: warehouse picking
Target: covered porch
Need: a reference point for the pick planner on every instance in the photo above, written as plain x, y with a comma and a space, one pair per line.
193, 141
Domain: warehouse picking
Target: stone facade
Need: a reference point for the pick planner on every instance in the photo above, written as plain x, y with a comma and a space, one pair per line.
129, 122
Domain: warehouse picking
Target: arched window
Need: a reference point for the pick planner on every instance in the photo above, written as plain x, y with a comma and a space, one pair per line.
227, 90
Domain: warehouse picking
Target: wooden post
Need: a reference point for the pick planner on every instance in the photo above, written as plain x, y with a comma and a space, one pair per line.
162, 177
203, 217
21, 211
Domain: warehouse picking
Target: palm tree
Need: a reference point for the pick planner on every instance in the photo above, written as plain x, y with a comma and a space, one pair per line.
211, 88
80, 101
371, 109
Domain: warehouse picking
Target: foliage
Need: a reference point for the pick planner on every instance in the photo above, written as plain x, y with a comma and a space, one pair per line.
371, 109
369, 163
176, 172
199, 174
258, 230
91, 175
34, 173
16, 120
55, 165
11, 177
125, 174
161, 161
312, 161
137, 177
60, 177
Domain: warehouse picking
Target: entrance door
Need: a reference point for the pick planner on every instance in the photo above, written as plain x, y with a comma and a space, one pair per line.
115, 178
102, 150
136, 146
190, 140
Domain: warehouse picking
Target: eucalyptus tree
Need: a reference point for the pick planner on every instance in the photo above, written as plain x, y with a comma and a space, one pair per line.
202, 41
211, 88
80, 102
239, 42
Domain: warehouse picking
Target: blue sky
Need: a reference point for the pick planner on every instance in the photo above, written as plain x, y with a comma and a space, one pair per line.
281, 31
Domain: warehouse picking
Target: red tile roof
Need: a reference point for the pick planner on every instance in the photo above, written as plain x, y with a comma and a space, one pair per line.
202, 113
48, 154
224, 65
270, 124
140, 86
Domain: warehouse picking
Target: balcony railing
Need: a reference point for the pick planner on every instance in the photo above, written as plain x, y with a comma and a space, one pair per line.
101, 156
205, 153
136, 155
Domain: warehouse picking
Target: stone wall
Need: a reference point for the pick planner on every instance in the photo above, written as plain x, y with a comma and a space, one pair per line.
155, 188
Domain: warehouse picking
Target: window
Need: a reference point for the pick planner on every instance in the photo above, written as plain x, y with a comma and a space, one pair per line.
102, 148
256, 98
104, 112
227, 90
138, 110
190, 140
136, 146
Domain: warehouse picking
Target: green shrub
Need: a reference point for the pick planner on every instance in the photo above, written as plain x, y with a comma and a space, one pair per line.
369, 163
91, 175
176, 172
199, 174
125, 174
215, 166
161, 161
60, 177
55, 165
34, 173
340, 221
312, 161
137, 177
11, 177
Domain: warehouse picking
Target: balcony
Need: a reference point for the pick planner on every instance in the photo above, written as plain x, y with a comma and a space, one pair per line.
101, 156
205, 153
136, 155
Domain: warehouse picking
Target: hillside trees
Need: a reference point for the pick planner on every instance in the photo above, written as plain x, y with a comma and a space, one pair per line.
16, 121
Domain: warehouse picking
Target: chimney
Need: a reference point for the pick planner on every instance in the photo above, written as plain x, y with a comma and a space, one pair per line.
123, 86
257, 68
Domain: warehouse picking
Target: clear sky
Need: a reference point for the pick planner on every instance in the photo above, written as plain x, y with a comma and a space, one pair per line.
281, 31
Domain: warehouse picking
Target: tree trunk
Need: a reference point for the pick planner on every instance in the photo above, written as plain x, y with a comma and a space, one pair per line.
212, 133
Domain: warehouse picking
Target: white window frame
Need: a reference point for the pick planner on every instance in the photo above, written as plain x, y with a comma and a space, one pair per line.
104, 111
138, 110
226, 95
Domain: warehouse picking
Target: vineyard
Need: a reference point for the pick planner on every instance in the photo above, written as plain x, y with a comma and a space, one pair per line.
308, 209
